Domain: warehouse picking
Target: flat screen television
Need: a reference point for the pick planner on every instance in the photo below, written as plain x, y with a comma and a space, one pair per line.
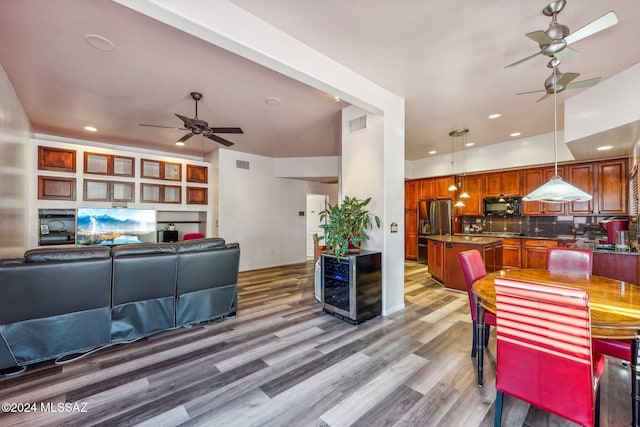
112, 226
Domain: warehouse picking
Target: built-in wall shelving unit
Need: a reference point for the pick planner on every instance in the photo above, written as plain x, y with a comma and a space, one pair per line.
71, 176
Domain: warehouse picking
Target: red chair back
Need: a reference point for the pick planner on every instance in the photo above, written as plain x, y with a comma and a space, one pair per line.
473, 269
544, 348
570, 260
193, 236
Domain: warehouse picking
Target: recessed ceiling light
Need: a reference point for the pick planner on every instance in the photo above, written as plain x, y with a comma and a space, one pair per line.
516, 134
336, 98
273, 101
90, 128
469, 144
432, 152
179, 143
605, 147
494, 115
98, 42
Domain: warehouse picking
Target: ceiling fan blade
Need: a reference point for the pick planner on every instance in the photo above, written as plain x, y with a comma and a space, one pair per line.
584, 83
218, 139
531, 91
226, 130
160, 126
186, 120
567, 78
605, 21
539, 37
523, 60
565, 54
184, 138
543, 97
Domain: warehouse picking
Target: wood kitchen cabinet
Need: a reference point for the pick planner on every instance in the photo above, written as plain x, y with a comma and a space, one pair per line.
435, 250
534, 252
474, 186
511, 253
581, 176
411, 219
612, 187
441, 187
493, 256
426, 189
506, 183
452, 275
411, 195
534, 178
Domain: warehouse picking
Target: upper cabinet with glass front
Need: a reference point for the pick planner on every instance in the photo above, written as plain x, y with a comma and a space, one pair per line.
157, 169
108, 164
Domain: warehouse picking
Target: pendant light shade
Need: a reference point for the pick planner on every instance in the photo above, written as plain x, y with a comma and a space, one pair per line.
556, 190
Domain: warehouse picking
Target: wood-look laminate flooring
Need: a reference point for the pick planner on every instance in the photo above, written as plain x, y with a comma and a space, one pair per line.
283, 362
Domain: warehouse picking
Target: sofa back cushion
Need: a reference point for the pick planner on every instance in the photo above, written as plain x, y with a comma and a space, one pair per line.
200, 245
67, 254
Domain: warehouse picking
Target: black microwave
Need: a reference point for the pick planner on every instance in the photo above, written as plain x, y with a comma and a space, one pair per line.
502, 205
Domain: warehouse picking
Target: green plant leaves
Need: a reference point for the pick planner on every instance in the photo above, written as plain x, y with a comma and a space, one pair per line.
346, 223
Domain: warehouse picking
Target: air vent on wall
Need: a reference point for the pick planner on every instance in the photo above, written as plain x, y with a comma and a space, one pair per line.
242, 164
358, 124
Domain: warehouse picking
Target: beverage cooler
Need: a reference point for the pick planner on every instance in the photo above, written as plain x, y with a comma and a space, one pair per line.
352, 286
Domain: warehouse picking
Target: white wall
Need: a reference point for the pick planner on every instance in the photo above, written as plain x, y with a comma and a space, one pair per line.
261, 211
306, 167
368, 170
15, 131
612, 103
536, 150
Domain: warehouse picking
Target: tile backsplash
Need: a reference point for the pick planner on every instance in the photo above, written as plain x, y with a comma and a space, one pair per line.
538, 226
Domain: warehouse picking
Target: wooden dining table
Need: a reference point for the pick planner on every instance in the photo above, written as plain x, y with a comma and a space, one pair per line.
615, 313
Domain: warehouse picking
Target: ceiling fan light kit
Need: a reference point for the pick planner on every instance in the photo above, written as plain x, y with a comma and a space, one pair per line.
196, 126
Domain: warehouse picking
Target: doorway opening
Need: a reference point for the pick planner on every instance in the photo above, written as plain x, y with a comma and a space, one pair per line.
316, 203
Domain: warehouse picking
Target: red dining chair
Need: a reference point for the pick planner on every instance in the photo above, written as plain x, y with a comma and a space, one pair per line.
473, 269
193, 236
544, 354
570, 260
575, 260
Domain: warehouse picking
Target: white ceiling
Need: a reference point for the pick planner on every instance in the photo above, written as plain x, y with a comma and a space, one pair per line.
446, 59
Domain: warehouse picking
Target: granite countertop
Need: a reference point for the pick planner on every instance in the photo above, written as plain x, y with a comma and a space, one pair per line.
633, 252
473, 239
518, 236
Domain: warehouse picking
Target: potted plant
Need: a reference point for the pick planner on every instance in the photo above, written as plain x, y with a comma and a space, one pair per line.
347, 223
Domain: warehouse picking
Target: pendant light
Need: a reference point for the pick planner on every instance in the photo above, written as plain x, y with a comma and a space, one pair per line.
452, 187
556, 190
454, 134
464, 194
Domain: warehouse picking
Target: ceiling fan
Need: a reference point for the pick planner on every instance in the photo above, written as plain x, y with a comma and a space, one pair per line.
554, 40
557, 82
197, 126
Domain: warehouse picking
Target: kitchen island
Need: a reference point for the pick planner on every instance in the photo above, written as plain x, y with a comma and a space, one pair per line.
443, 257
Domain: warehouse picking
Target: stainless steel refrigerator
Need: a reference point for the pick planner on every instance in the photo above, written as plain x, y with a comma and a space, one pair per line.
434, 217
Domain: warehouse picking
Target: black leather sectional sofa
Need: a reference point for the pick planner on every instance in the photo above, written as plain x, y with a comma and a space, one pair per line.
60, 301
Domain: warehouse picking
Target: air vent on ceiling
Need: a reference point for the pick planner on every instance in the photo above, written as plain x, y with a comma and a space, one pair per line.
242, 164
357, 124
